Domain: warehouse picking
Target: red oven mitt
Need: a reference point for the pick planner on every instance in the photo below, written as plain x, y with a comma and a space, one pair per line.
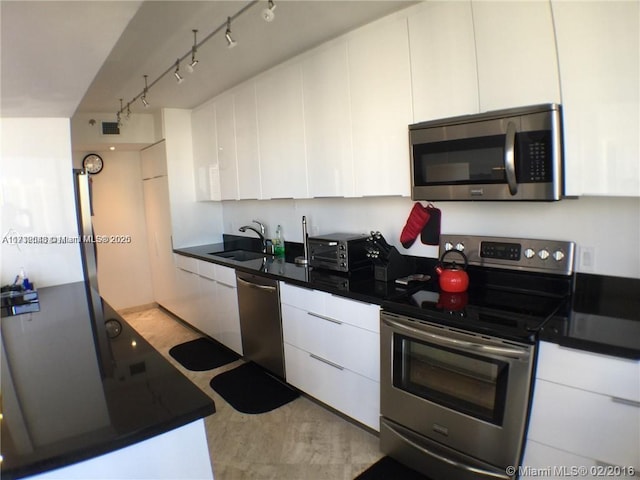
418, 218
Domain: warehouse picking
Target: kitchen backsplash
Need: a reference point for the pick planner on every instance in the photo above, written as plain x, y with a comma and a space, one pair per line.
606, 230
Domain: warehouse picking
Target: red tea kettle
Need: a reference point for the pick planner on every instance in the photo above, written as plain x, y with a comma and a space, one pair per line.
453, 278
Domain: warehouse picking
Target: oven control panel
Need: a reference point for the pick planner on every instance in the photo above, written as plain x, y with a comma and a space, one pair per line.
536, 255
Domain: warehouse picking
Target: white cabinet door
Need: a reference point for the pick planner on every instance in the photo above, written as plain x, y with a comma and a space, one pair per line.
226, 136
327, 121
247, 152
443, 60
352, 394
380, 85
515, 45
283, 166
599, 55
158, 222
207, 307
205, 159
228, 317
587, 424
542, 461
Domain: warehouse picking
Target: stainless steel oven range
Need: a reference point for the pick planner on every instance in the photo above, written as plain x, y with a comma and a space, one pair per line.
457, 369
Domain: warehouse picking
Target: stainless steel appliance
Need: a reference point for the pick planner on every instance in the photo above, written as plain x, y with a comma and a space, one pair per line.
512, 154
456, 368
261, 321
341, 252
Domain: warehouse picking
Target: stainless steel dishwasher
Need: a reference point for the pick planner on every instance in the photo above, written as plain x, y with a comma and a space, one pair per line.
260, 321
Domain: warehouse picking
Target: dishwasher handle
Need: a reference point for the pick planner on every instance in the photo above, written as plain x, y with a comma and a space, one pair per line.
268, 288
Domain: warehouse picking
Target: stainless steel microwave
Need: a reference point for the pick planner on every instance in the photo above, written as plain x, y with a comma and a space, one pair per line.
513, 154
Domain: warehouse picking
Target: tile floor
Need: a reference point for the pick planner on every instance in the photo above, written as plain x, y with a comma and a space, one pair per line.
298, 441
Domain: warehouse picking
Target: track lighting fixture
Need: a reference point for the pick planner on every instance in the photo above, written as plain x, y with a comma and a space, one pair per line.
144, 93
194, 49
230, 41
177, 72
268, 13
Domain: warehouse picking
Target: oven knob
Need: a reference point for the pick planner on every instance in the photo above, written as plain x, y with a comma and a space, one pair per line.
543, 254
529, 253
448, 246
460, 246
342, 255
341, 247
558, 255
343, 264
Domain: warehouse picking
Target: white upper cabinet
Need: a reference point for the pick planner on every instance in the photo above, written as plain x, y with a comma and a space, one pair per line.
226, 138
327, 121
205, 146
283, 165
598, 53
248, 156
443, 60
380, 86
516, 51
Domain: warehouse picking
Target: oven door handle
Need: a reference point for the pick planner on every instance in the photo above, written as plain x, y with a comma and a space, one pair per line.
474, 347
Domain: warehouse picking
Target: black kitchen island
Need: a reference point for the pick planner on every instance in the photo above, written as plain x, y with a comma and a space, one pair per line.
82, 392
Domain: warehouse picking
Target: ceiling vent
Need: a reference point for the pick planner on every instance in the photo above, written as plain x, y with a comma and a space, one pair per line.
110, 128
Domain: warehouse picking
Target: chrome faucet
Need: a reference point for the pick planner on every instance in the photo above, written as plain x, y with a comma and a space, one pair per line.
260, 233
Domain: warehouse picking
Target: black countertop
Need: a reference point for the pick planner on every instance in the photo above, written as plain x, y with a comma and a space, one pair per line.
71, 390
604, 318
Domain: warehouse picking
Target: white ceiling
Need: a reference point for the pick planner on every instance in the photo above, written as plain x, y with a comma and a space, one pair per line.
59, 58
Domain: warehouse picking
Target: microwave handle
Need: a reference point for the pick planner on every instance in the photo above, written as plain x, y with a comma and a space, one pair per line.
509, 158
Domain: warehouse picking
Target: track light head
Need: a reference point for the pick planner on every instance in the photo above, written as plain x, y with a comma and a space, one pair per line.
144, 93
176, 74
194, 49
230, 41
268, 13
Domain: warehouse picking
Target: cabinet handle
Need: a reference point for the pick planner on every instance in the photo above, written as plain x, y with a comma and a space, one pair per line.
624, 401
328, 319
331, 364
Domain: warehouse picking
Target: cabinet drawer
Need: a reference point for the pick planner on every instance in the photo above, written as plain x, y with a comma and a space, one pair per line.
350, 393
617, 377
206, 269
183, 262
304, 298
540, 458
226, 275
586, 424
350, 347
359, 314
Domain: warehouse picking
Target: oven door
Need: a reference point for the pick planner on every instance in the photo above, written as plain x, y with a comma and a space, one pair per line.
465, 391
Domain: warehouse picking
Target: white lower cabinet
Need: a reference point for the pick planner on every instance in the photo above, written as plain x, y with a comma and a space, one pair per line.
208, 300
582, 416
332, 351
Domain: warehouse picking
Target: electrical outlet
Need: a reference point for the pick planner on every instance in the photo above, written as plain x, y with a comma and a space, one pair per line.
587, 258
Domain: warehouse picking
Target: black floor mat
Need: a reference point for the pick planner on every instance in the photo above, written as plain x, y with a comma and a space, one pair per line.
387, 468
202, 354
249, 389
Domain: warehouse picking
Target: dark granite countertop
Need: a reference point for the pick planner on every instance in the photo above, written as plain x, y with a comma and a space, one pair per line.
604, 319
71, 390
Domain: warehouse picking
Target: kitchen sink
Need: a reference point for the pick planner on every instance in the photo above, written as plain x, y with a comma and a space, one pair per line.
240, 255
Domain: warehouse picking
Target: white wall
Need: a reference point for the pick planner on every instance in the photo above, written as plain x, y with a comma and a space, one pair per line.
118, 208
609, 226
37, 199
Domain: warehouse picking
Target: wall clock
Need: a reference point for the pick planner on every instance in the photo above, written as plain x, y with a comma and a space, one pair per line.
92, 163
